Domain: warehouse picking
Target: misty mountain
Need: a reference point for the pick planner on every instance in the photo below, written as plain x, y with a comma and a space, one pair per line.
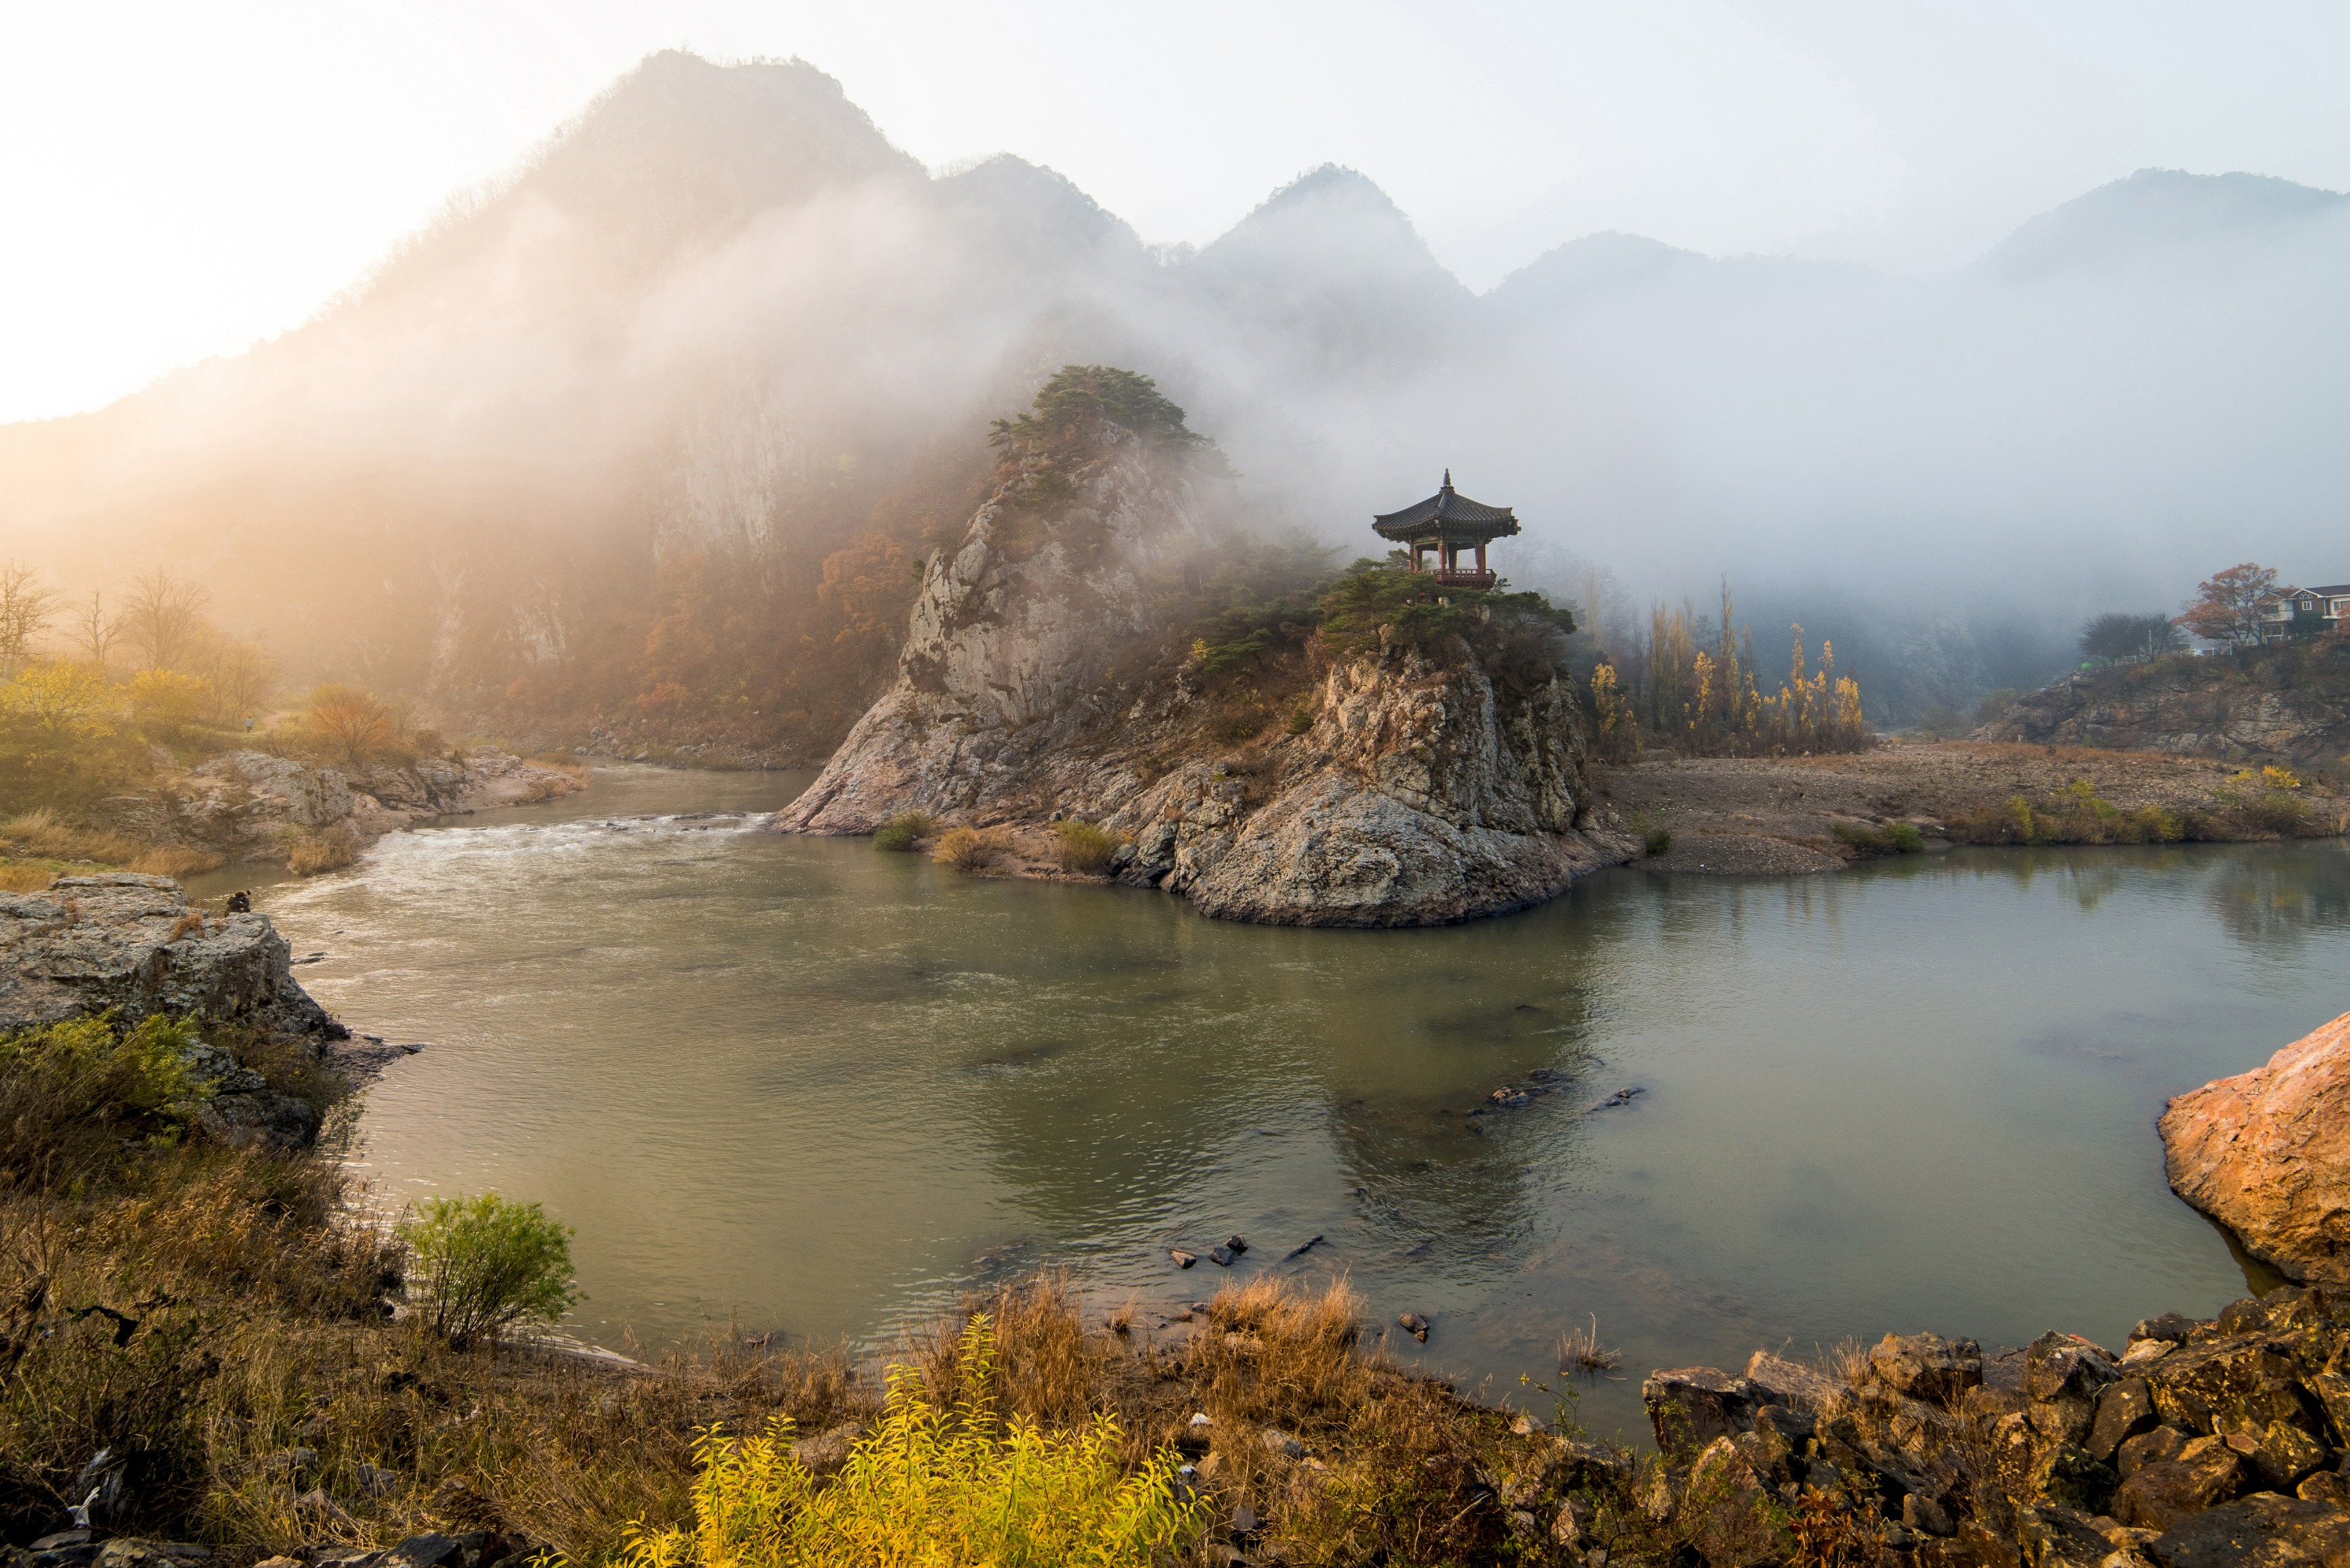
2155, 215
721, 359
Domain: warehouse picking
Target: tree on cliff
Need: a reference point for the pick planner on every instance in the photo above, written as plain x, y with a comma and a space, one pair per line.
2226, 606
1080, 394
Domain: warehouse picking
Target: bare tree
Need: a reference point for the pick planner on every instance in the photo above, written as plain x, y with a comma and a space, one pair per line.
164, 619
27, 608
94, 632
242, 675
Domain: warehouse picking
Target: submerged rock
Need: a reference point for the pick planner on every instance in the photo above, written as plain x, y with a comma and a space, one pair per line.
2267, 1154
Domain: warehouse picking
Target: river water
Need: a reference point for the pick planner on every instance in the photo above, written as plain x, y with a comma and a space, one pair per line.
821, 1089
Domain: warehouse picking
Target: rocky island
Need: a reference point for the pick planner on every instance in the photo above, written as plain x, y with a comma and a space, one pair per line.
1413, 757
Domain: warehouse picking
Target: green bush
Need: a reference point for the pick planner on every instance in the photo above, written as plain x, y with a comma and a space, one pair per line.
1657, 841
484, 1264
932, 1486
905, 830
1085, 848
1301, 719
1893, 838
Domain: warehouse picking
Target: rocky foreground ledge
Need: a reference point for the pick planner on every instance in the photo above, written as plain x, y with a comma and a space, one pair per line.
2203, 1442
132, 945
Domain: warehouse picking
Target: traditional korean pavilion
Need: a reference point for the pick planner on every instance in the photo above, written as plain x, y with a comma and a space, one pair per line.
1449, 523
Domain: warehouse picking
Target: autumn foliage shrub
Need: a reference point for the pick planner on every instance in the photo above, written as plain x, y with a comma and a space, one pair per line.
968, 849
932, 1485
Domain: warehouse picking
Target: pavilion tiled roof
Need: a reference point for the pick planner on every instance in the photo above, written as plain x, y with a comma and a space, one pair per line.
1450, 514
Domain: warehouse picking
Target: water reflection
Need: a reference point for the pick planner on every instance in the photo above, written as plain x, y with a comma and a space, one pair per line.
2271, 899
829, 1088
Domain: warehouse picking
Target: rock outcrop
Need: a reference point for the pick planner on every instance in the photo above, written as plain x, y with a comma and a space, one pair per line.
1418, 795
130, 945
123, 941
2285, 705
1422, 790
2267, 1154
251, 805
2207, 1441
1002, 671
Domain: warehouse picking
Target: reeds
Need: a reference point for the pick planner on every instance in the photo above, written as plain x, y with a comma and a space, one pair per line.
1581, 1353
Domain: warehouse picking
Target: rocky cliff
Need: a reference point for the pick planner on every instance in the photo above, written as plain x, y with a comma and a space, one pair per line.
1412, 782
2267, 1154
2288, 705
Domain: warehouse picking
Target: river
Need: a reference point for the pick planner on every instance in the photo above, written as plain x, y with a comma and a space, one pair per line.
812, 1087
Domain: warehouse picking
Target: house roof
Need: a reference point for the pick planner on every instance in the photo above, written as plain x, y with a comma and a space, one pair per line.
1449, 514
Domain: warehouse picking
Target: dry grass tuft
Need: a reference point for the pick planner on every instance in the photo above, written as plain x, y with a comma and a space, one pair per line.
44, 834
1083, 847
1392, 1464
1580, 1352
177, 860
1847, 1362
317, 852
968, 849
18, 879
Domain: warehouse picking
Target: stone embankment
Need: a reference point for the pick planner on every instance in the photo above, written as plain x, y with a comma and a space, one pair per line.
251, 805
2267, 1154
133, 946
2203, 1442
1410, 785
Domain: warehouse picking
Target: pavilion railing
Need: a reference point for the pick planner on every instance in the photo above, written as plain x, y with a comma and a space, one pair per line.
1462, 579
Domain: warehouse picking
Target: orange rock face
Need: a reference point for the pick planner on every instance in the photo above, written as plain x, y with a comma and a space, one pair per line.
2267, 1154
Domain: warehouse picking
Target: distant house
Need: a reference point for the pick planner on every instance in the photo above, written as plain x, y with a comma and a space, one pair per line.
2289, 610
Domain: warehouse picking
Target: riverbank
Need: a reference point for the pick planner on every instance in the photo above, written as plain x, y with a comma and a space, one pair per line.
259, 807
1795, 815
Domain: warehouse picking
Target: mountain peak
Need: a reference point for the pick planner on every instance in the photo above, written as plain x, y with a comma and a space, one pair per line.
2152, 211
1332, 221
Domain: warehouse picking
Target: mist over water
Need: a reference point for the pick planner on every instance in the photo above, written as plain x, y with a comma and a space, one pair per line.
825, 1089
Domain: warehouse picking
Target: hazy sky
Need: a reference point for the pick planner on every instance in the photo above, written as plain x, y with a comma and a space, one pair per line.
178, 181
